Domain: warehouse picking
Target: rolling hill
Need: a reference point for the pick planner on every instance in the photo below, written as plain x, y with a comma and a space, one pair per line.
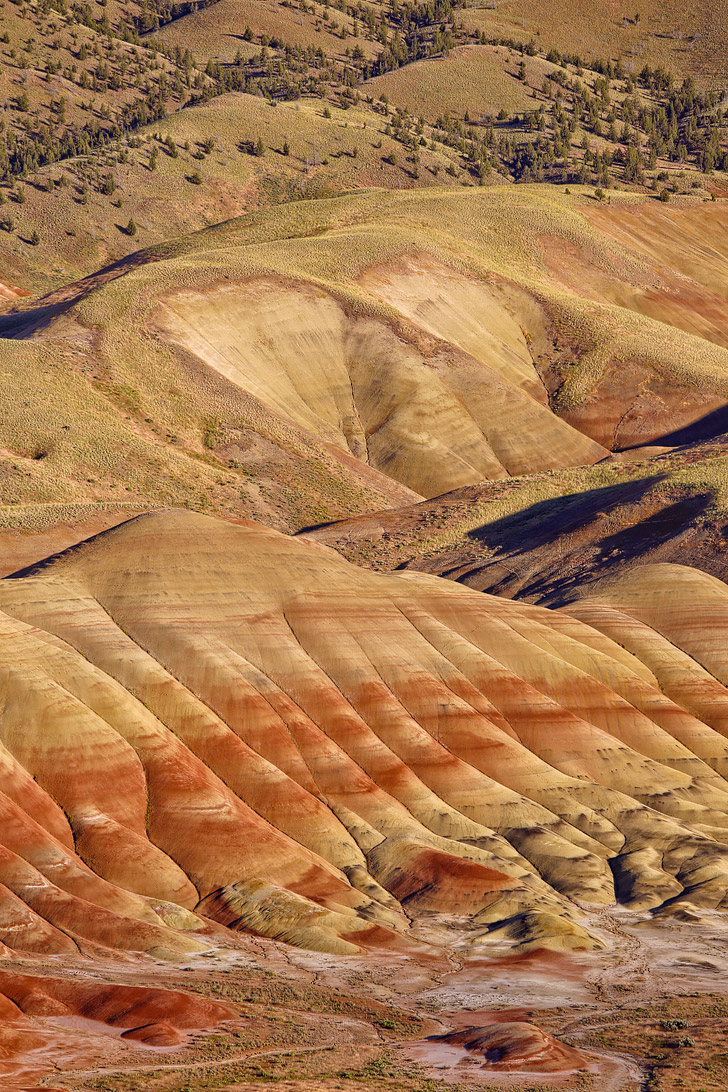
328, 358
127, 125
208, 722
688, 39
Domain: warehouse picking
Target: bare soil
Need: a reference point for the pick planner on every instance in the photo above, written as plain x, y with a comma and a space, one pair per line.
648, 1013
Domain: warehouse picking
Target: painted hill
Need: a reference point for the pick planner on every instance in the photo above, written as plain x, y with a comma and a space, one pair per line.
329, 358
238, 303
206, 722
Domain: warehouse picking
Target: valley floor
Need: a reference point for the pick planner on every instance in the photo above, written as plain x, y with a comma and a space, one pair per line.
650, 1013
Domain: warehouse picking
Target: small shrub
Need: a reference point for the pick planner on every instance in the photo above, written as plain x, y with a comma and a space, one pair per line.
212, 432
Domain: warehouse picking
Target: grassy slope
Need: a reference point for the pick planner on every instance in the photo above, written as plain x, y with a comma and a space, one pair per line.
145, 421
79, 228
350, 150
690, 39
219, 33
477, 79
36, 39
85, 438
482, 232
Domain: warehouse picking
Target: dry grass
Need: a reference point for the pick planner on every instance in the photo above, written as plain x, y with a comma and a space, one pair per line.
138, 411
80, 229
478, 79
686, 38
346, 151
681, 1043
70, 445
35, 40
485, 232
218, 31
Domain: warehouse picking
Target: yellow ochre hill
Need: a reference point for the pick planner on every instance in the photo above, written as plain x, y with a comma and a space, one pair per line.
203, 720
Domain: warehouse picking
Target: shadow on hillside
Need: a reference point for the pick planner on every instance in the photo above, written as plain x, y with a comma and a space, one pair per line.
543, 523
708, 427
562, 545
655, 530
27, 319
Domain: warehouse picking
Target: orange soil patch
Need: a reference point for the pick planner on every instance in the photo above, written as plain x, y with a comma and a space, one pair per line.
557, 965
39, 1014
11, 292
516, 1046
421, 882
159, 1034
117, 1006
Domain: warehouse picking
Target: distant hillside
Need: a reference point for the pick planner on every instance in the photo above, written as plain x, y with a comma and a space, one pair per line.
691, 39
125, 126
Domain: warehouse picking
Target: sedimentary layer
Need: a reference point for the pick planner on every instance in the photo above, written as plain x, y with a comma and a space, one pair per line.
210, 725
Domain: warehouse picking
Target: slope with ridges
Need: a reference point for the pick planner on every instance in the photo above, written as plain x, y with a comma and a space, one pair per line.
249, 728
